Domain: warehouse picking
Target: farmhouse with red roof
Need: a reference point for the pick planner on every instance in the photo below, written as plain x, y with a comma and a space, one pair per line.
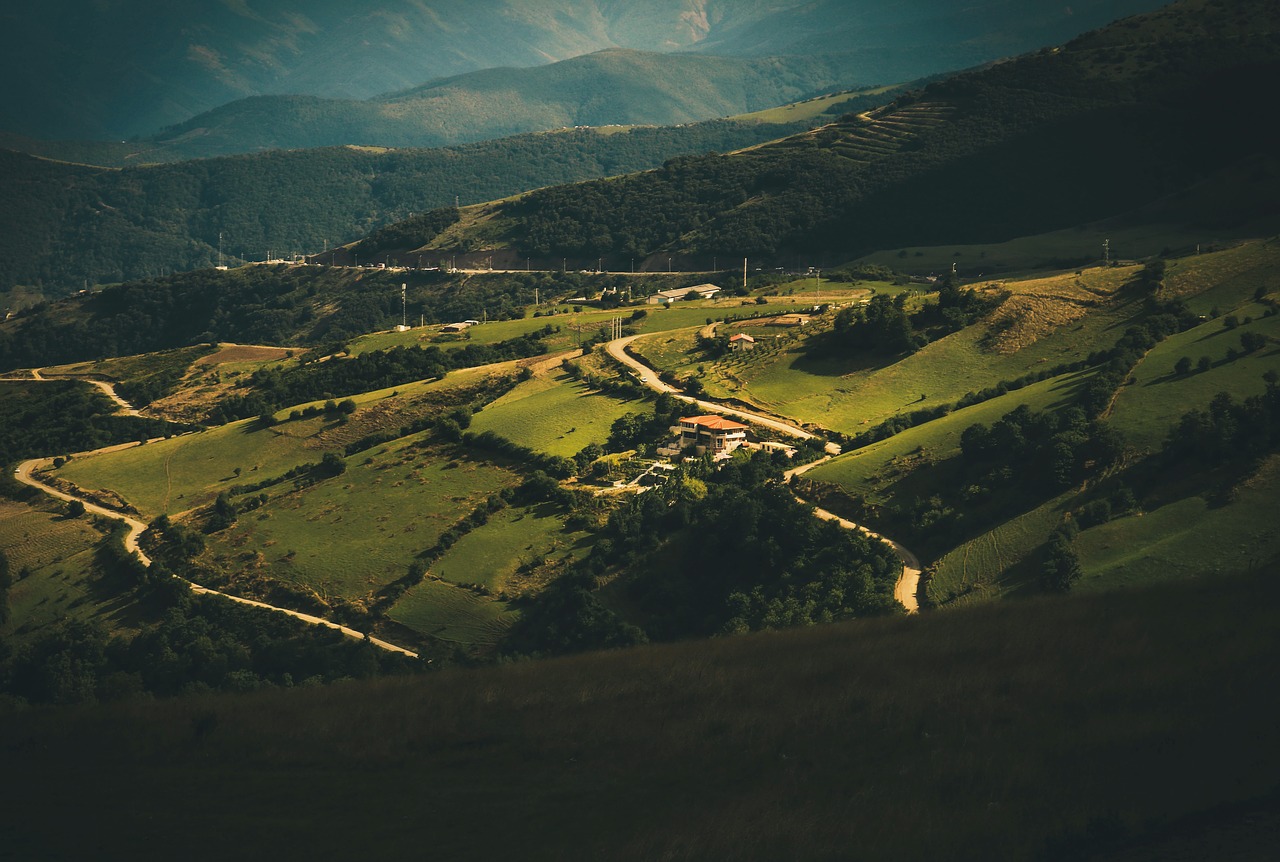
710, 434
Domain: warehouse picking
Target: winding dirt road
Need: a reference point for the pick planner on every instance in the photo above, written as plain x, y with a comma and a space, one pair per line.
905, 591
646, 375
108, 389
25, 474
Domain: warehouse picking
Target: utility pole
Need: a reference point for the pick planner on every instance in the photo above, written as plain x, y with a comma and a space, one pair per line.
1106, 251
744, 273
404, 307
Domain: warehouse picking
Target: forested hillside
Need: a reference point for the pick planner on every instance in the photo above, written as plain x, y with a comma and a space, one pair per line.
279, 304
1112, 121
63, 225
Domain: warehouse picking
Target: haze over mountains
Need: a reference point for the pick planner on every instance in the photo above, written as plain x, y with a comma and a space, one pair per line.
130, 67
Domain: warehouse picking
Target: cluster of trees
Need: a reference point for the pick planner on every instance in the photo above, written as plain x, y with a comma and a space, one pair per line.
55, 417
413, 232
714, 551
186, 644
1014, 464
1119, 361
1228, 429
271, 388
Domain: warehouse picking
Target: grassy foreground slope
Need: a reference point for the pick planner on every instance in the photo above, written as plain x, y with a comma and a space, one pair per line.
1053, 728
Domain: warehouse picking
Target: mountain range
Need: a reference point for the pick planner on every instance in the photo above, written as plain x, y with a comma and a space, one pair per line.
1115, 120
130, 67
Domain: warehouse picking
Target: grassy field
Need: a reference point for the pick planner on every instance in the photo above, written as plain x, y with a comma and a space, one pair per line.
57, 555
1187, 537
352, 534
874, 470
453, 614
555, 415
1144, 411
132, 368
998, 562
578, 326
1066, 728
1045, 322
491, 555
183, 473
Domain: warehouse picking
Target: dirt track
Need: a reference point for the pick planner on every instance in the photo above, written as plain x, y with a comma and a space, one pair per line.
24, 475
906, 589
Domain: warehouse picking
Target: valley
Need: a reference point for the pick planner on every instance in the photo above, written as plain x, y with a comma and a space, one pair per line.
888, 474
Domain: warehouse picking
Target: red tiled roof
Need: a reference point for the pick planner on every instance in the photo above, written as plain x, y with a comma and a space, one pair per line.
714, 423
741, 337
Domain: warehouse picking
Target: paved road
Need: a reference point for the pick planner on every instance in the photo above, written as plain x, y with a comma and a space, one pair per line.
24, 475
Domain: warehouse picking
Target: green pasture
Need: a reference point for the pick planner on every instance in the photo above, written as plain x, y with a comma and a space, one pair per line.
575, 327
996, 562
851, 393
555, 415
873, 470
185, 472
353, 534
51, 560
1225, 280
453, 614
1145, 410
490, 555
1187, 537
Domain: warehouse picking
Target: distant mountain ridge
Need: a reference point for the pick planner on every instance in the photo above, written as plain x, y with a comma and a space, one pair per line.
610, 87
1114, 120
110, 69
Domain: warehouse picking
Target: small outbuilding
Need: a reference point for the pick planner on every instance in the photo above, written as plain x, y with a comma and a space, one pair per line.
741, 341
701, 291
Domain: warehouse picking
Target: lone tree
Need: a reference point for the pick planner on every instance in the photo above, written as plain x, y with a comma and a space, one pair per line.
75, 509
1183, 366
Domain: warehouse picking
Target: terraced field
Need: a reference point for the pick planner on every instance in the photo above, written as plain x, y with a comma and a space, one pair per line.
882, 132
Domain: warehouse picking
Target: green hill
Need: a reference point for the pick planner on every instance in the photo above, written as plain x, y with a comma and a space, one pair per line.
614, 87
1112, 122
65, 224
1133, 725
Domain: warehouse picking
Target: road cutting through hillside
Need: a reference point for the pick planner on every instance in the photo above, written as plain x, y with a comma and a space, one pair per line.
108, 389
24, 474
906, 589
